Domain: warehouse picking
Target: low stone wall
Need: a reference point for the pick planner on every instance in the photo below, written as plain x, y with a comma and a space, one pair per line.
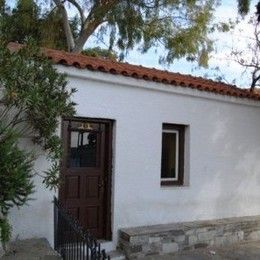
169, 238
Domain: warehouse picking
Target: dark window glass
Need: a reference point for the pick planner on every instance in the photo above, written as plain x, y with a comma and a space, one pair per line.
169, 156
83, 149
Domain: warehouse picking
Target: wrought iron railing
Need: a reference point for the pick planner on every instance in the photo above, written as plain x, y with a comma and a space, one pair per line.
71, 240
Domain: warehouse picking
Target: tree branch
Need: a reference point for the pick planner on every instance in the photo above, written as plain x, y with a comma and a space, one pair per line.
80, 10
254, 82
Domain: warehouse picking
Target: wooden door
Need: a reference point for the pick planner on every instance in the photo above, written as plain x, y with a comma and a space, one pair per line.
86, 181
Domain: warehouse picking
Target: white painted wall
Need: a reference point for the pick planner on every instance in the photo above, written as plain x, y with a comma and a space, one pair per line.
222, 159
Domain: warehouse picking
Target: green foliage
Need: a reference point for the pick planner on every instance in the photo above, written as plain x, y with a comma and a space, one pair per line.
243, 6
21, 22
39, 96
33, 98
15, 171
51, 30
102, 53
16, 184
180, 27
29, 20
5, 230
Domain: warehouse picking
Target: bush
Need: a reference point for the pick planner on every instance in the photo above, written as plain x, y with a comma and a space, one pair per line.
33, 98
5, 231
15, 177
15, 172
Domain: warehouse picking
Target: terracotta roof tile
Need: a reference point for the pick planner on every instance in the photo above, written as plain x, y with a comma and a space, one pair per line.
140, 72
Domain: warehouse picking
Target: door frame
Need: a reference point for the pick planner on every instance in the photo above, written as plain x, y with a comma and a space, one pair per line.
108, 167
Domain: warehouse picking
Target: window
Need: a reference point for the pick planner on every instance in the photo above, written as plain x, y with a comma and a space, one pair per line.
84, 144
83, 149
172, 165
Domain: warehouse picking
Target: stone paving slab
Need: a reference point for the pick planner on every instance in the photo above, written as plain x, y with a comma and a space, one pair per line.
164, 239
241, 251
31, 249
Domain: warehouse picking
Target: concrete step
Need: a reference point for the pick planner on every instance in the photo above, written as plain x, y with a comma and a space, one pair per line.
107, 245
31, 249
116, 255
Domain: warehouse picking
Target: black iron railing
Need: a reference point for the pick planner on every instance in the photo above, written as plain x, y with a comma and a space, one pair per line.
71, 240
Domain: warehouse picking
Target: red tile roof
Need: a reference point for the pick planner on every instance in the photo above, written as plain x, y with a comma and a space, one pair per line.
139, 72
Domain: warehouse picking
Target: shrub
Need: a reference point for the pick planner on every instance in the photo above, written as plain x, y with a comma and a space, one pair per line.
33, 98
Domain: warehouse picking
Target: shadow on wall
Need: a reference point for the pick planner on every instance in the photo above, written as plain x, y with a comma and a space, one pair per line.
234, 186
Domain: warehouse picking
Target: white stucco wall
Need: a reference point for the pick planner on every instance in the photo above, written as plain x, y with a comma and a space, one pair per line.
222, 156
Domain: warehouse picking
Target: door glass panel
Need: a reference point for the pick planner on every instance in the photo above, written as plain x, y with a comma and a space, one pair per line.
83, 149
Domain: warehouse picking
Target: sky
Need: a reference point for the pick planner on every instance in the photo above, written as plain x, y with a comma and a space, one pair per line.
238, 39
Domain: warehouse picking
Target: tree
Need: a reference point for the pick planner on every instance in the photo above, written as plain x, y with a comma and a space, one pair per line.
181, 27
45, 26
27, 19
249, 58
33, 99
244, 7
247, 55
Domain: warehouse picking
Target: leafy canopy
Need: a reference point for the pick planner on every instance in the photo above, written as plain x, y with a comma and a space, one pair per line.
181, 27
30, 20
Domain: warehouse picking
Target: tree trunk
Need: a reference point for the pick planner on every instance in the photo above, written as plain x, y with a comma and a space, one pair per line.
85, 34
94, 19
66, 25
254, 82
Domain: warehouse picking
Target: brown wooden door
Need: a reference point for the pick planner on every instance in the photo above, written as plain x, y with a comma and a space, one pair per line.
85, 191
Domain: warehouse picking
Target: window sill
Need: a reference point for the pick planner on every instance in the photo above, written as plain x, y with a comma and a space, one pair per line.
171, 183
174, 187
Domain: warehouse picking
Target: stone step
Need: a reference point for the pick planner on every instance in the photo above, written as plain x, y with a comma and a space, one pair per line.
162, 239
107, 245
31, 249
116, 255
